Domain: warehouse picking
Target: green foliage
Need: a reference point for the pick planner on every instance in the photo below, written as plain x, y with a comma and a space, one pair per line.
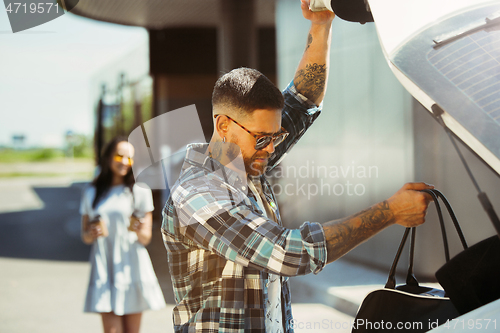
147, 107
82, 147
128, 115
47, 154
8, 155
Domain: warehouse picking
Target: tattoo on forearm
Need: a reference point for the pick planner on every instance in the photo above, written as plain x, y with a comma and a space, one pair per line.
310, 81
373, 217
309, 41
347, 233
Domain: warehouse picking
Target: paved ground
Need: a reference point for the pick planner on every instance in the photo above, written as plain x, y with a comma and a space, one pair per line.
47, 297
19, 193
44, 269
66, 167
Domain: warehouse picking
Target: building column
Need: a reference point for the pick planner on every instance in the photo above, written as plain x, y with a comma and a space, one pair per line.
237, 35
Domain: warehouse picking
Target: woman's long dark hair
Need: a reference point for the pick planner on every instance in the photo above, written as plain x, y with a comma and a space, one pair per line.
102, 182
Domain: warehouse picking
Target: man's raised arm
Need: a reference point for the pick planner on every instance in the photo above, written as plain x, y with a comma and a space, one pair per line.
311, 75
407, 207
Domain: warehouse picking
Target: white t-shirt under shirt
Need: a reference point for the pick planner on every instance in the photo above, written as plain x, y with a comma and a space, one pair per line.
272, 308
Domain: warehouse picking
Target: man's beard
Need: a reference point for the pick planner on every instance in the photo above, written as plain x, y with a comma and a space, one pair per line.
252, 167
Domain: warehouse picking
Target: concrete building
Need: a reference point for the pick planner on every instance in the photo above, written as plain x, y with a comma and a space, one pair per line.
370, 139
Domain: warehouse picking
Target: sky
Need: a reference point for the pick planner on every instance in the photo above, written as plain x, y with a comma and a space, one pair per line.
46, 75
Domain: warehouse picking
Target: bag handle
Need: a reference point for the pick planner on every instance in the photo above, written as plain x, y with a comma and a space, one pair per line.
453, 217
441, 224
410, 278
391, 280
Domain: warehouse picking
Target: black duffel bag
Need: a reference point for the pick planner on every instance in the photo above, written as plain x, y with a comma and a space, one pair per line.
472, 278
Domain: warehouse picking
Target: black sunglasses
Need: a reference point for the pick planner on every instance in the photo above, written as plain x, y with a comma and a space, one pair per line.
262, 141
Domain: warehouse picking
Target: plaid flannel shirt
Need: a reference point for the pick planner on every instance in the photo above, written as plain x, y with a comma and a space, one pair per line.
221, 246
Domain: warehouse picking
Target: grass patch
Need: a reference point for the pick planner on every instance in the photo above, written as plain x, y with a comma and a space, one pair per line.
30, 155
8, 155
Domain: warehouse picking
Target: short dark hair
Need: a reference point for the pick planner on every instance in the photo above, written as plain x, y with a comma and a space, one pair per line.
246, 89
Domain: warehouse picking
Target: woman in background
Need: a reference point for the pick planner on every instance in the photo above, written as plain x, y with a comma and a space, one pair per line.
117, 221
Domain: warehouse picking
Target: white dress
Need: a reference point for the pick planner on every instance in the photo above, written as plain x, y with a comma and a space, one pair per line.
122, 279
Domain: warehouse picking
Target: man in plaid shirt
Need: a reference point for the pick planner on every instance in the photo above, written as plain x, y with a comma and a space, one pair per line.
229, 254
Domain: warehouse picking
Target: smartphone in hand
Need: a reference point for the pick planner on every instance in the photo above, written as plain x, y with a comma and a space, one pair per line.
98, 224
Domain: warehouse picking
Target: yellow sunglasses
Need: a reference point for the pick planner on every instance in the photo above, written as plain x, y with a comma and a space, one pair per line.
119, 158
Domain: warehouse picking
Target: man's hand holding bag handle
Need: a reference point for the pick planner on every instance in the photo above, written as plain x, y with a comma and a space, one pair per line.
409, 307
